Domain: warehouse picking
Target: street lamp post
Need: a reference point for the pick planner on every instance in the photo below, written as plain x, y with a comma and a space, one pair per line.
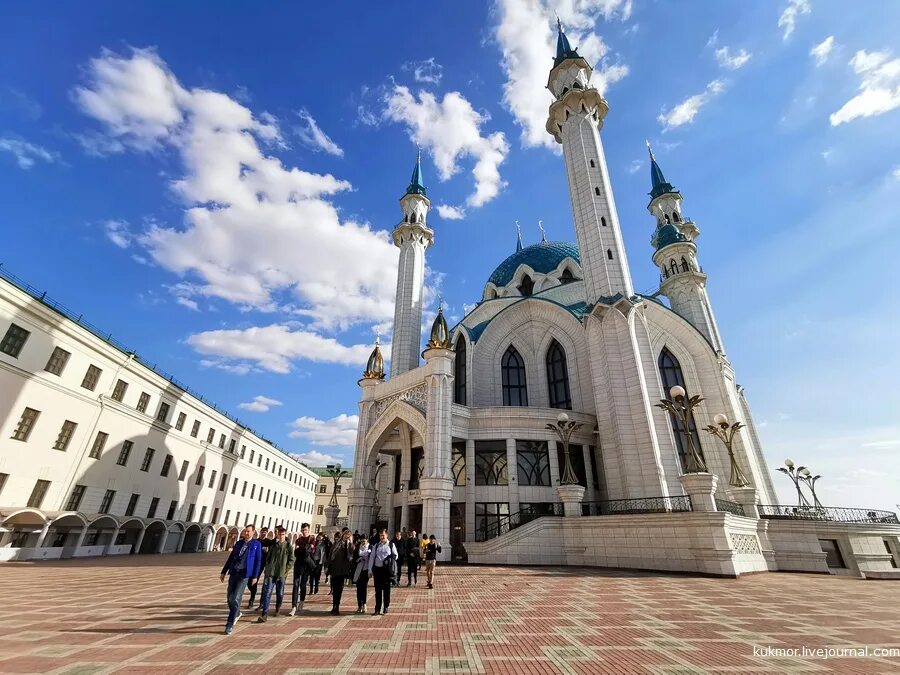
796, 477
376, 507
336, 473
682, 407
564, 428
806, 476
725, 432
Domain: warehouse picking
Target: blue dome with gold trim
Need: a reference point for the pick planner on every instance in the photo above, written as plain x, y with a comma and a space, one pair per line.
543, 258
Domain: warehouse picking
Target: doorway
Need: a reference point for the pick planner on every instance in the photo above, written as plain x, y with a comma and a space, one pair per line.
458, 532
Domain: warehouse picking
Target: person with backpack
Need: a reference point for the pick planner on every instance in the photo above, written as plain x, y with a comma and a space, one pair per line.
265, 542
319, 556
432, 548
340, 566
383, 568
279, 559
361, 574
244, 564
304, 566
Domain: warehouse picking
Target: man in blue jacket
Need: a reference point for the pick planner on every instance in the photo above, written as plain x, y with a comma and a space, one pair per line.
243, 565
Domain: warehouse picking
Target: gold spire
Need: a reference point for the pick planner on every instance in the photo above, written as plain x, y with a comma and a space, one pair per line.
375, 364
440, 334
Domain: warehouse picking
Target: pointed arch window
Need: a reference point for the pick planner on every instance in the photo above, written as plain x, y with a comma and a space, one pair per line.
673, 266
459, 372
558, 377
609, 253
671, 375
526, 288
512, 366
675, 218
603, 221
566, 277
684, 264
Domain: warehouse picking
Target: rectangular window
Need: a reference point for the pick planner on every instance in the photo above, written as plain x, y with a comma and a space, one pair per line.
221, 440
190, 513
215, 517
253, 491
148, 459
237, 518
212, 480
124, 452
244, 490
184, 469
321, 509
832, 551
166, 467
203, 515
91, 377
195, 429
533, 463
3, 478
211, 435
14, 340
458, 463
223, 483
132, 504
337, 489
416, 468
57, 362
490, 463
119, 390
243, 450
268, 494
143, 402
491, 520
154, 504
323, 489
106, 504
234, 486
179, 423
65, 435
75, 498
171, 512
267, 463
99, 445
251, 455
259, 460
231, 445
163, 413
38, 494
199, 480
25, 425
227, 516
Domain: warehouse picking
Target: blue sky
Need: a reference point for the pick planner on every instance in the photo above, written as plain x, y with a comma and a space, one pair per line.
215, 187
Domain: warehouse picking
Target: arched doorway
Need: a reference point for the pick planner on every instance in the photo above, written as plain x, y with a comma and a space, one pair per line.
20, 531
221, 538
64, 533
154, 537
192, 537
232, 538
99, 535
174, 538
129, 536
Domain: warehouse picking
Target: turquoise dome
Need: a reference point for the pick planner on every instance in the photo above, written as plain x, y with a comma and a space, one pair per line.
668, 234
543, 258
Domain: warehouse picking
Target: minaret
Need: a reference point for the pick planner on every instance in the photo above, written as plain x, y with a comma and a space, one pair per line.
412, 236
575, 120
682, 280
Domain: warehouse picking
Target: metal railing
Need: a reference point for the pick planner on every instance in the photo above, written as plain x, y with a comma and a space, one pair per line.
832, 513
42, 297
729, 507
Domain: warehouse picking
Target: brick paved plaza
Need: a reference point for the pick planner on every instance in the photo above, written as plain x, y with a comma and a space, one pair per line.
165, 614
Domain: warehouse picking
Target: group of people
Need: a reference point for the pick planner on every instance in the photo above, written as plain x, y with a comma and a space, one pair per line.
348, 559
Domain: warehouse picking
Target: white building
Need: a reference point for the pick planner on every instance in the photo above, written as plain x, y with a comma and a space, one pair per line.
463, 440
100, 454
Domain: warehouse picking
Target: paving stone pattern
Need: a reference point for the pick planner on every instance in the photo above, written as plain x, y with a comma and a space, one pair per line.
165, 614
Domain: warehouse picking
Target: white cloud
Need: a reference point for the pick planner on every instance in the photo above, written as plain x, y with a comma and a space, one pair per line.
427, 71
338, 431
879, 87
273, 347
450, 212
635, 166
896, 173
788, 18
259, 404
118, 232
314, 458
235, 368
27, 154
313, 137
821, 51
187, 302
451, 129
232, 191
686, 111
732, 61
527, 37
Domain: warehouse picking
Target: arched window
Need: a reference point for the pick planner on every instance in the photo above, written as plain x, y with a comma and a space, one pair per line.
609, 253
684, 264
671, 375
675, 218
526, 288
515, 391
603, 221
592, 164
566, 277
459, 372
667, 218
597, 191
577, 85
673, 266
558, 377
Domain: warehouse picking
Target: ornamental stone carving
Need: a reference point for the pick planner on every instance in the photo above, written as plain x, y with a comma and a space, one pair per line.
745, 543
416, 396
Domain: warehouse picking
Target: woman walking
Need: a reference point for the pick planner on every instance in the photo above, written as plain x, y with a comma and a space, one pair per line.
383, 568
361, 574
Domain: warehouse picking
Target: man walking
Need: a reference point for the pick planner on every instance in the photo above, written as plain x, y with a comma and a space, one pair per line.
278, 561
432, 548
399, 543
319, 557
341, 568
264, 541
304, 565
243, 564
382, 564
412, 558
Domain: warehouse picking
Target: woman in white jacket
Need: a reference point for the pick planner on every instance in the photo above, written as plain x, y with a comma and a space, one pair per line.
383, 568
361, 574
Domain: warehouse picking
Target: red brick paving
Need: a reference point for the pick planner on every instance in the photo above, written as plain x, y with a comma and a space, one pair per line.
165, 614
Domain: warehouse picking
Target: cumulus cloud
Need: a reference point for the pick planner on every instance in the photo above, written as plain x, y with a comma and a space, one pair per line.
427, 71
312, 136
118, 232
27, 154
732, 61
450, 212
451, 129
273, 347
233, 191
259, 404
879, 87
315, 458
788, 18
686, 111
338, 431
526, 34
821, 51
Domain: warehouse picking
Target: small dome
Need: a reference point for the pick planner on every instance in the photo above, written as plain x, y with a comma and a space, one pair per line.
543, 258
440, 334
668, 234
375, 365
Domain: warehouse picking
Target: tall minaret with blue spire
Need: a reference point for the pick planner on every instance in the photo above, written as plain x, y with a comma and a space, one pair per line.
412, 236
575, 119
682, 280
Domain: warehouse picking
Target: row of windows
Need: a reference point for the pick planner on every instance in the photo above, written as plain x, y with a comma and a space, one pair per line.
16, 337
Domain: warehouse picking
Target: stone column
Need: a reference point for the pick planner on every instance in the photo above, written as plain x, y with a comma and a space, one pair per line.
140, 540
701, 488
554, 462
588, 473
571, 497
331, 515
112, 541
470, 490
361, 515
161, 546
180, 541
512, 472
43, 535
437, 481
747, 497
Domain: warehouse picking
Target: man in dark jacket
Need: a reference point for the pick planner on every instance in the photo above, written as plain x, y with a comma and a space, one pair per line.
279, 559
399, 543
341, 567
244, 563
304, 565
412, 558
264, 541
